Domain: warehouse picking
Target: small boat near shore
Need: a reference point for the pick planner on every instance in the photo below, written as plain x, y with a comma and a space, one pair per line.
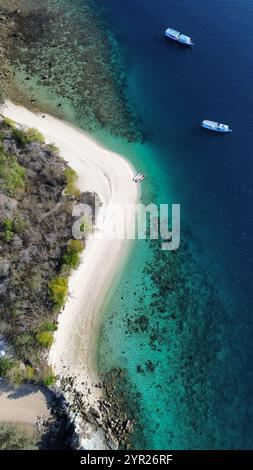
216, 126
139, 177
178, 37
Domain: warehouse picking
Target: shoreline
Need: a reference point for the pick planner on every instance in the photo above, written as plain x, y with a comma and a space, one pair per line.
110, 176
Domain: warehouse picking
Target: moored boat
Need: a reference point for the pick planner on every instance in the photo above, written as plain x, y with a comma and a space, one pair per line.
216, 126
178, 37
139, 177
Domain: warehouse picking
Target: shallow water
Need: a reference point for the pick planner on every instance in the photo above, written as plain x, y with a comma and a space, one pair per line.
65, 59
179, 323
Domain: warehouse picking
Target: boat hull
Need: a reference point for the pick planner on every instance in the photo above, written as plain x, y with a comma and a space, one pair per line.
184, 40
220, 131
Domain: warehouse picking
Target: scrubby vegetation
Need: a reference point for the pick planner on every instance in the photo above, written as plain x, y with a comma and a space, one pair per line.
49, 378
12, 175
8, 230
53, 148
8, 122
58, 288
45, 339
28, 136
71, 182
71, 258
49, 326
16, 372
5, 365
37, 252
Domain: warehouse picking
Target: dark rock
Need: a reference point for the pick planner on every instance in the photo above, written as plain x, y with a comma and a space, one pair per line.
139, 369
150, 366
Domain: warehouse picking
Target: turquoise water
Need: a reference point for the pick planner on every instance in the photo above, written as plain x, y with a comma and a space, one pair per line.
179, 324
169, 327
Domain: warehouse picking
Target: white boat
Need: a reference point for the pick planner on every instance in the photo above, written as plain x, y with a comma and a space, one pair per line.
178, 37
139, 177
216, 126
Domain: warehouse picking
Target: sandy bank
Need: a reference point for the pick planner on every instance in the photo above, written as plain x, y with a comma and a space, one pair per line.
110, 176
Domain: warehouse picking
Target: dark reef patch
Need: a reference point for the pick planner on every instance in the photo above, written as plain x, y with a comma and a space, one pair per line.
178, 339
64, 59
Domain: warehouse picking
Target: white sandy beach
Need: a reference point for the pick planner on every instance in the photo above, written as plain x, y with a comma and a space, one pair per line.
110, 176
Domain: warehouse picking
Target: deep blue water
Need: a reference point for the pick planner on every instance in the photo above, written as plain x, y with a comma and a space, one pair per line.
173, 90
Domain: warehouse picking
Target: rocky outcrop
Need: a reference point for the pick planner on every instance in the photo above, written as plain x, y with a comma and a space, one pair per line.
107, 422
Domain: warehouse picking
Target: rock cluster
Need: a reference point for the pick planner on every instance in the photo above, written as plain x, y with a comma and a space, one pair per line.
108, 416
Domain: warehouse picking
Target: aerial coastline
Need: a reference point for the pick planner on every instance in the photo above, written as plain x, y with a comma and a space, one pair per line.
110, 176
99, 171
169, 348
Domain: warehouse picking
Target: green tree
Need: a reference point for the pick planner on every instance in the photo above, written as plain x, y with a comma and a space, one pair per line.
75, 246
24, 339
28, 136
53, 148
71, 180
58, 290
49, 380
15, 375
45, 339
71, 258
12, 175
8, 122
49, 326
20, 225
8, 230
5, 365
33, 135
29, 374
47, 376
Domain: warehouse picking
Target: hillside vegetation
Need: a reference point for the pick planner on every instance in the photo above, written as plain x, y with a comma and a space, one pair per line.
37, 252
